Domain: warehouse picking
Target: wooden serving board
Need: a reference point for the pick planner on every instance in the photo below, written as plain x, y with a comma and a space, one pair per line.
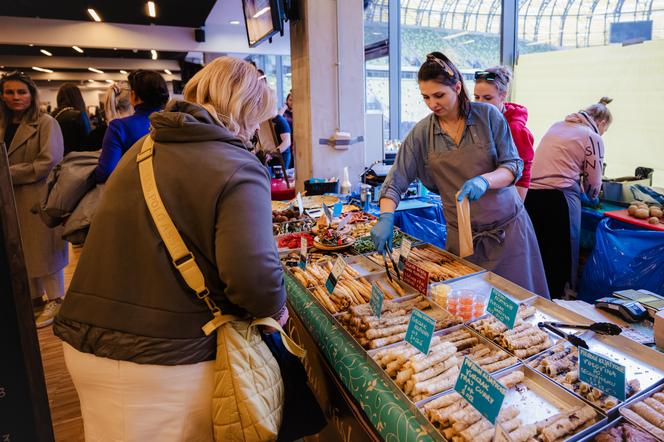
624, 216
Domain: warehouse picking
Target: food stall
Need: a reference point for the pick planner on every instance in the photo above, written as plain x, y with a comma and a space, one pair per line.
374, 383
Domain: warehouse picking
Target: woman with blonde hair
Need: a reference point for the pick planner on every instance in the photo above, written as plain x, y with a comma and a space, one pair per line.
567, 168
133, 343
34, 146
117, 104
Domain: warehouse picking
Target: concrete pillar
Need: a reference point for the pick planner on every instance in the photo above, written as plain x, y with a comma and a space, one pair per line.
315, 94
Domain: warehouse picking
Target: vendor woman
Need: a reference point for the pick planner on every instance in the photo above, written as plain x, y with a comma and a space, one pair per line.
467, 148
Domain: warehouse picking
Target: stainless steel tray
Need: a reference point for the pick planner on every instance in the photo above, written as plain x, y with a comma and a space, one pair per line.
363, 265
539, 400
476, 269
482, 284
382, 277
612, 424
633, 400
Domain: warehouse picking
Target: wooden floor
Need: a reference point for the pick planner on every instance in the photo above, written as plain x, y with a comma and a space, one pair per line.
62, 397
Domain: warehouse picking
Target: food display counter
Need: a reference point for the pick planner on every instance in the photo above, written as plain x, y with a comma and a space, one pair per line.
392, 391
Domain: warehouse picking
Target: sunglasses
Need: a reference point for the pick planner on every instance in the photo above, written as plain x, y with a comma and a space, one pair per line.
484, 75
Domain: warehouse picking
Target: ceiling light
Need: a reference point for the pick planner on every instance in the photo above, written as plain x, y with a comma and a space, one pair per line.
458, 34
122, 71
261, 12
234, 22
77, 49
94, 14
110, 81
154, 54
168, 72
95, 70
467, 42
38, 69
45, 52
91, 80
31, 44
152, 9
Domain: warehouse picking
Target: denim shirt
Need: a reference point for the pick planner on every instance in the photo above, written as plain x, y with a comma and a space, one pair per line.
484, 125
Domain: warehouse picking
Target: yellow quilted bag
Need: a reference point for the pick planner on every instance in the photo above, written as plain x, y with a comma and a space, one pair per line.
248, 397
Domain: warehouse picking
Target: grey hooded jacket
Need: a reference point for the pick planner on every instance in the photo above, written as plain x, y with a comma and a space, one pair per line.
126, 300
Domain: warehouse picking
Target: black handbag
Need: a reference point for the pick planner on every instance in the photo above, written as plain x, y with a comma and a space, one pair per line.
299, 399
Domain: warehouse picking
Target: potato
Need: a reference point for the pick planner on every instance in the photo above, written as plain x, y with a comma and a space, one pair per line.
642, 213
632, 209
653, 220
656, 211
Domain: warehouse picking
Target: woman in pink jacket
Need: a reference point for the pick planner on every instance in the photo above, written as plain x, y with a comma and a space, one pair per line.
567, 167
491, 86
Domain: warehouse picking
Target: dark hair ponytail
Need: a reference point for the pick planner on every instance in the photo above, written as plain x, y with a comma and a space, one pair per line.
440, 69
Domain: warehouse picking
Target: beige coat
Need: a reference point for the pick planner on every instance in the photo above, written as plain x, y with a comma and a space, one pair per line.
36, 148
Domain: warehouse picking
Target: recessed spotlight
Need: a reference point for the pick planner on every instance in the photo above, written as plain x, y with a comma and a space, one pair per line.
31, 44
122, 71
45, 52
168, 72
77, 49
97, 71
234, 22
154, 54
152, 9
38, 69
94, 14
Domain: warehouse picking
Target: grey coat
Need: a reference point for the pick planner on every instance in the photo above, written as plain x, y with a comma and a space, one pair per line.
36, 148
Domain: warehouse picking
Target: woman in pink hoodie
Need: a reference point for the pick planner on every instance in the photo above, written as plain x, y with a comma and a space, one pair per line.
491, 86
568, 164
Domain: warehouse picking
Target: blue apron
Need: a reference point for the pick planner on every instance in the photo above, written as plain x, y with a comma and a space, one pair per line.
503, 236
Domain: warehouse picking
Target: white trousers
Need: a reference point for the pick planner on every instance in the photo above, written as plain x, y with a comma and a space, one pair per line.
127, 402
52, 285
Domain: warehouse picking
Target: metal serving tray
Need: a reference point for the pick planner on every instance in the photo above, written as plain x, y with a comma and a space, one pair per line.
447, 331
611, 424
476, 269
482, 284
539, 400
631, 401
381, 276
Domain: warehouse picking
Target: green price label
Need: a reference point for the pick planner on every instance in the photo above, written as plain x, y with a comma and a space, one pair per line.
503, 308
481, 391
420, 331
602, 373
376, 301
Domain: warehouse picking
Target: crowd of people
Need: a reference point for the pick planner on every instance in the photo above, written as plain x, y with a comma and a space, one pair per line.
132, 329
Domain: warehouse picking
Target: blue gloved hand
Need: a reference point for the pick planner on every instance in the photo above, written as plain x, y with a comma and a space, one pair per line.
588, 202
474, 188
381, 233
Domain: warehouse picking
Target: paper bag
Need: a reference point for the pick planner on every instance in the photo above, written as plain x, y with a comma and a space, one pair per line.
465, 230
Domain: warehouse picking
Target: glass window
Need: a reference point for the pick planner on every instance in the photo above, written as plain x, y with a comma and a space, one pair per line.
286, 72
467, 31
377, 65
573, 52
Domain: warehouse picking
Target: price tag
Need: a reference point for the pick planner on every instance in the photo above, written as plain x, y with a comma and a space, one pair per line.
300, 204
501, 435
303, 253
602, 373
343, 223
406, 245
337, 209
327, 212
503, 308
481, 391
376, 301
335, 274
420, 331
416, 277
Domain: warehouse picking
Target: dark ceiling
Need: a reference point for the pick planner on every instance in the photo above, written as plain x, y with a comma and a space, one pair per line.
191, 14
59, 51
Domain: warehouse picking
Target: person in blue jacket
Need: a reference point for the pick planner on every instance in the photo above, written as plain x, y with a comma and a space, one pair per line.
148, 94
465, 149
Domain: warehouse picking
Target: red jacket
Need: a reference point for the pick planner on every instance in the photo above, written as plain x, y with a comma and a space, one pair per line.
517, 117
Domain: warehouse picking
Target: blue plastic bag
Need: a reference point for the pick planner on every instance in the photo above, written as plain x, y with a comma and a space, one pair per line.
624, 257
421, 228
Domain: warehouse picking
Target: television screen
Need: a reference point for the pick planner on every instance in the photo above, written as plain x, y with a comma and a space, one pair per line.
262, 19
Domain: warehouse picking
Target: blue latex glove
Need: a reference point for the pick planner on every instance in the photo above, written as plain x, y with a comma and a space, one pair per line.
381, 233
589, 202
474, 188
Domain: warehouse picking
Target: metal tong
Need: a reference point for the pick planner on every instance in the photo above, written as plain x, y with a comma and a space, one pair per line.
601, 328
388, 251
573, 339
